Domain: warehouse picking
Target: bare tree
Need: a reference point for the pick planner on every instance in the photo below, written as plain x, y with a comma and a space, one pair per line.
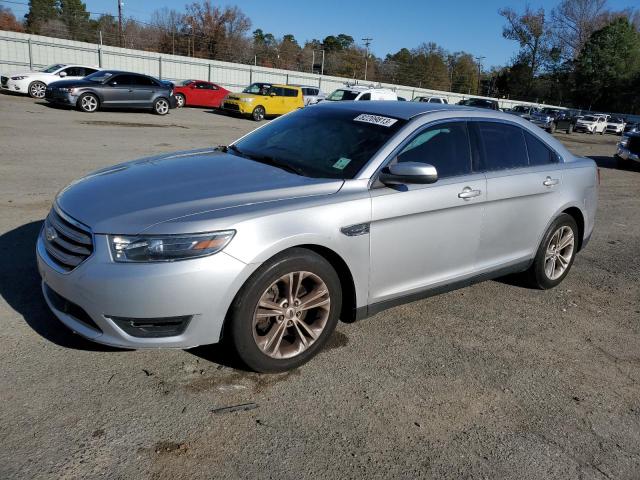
574, 21
531, 30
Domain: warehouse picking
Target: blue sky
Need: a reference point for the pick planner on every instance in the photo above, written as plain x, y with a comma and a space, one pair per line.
470, 25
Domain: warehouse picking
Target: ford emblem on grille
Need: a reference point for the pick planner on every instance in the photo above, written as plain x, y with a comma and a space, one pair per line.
50, 233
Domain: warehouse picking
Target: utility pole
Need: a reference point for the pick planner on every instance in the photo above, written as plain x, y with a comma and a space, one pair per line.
367, 42
479, 60
120, 4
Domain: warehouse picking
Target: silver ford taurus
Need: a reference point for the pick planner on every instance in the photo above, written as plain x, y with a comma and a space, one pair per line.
332, 212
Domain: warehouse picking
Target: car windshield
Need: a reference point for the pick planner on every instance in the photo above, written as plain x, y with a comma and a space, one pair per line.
99, 76
589, 118
258, 88
321, 143
52, 68
343, 95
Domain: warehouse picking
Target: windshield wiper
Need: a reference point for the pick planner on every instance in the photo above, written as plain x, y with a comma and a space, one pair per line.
266, 159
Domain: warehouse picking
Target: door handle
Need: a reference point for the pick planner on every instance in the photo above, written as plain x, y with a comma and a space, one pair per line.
550, 182
468, 193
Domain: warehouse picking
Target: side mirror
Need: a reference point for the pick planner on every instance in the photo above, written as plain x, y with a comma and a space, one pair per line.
62, 74
408, 172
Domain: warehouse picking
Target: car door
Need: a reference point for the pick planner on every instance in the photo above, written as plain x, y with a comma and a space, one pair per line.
601, 125
198, 94
524, 181
426, 236
143, 91
118, 91
276, 101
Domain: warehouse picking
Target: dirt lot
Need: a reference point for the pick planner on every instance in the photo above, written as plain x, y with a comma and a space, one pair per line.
493, 381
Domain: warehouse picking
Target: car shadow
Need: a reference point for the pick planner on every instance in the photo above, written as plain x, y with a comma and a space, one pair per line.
220, 353
20, 288
612, 162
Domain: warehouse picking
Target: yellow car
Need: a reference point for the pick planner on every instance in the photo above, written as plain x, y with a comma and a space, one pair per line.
261, 99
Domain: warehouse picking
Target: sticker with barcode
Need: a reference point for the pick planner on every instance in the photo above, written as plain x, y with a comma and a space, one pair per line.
375, 119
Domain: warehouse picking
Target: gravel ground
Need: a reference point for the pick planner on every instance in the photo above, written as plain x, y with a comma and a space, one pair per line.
492, 381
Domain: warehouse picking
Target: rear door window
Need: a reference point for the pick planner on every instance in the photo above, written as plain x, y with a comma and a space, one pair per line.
365, 96
290, 92
121, 80
144, 81
445, 146
504, 146
539, 153
279, 91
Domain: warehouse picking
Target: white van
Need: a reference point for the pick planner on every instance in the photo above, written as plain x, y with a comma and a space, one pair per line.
357, 92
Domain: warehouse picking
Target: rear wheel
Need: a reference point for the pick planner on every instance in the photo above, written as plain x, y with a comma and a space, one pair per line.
180, 100
570, 129
555, 254
161, 106
37, 89
88, 103
286, 311
258, 113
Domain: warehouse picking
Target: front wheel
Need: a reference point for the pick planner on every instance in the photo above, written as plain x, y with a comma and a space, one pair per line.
552, 128
88, 103
555, 254
180, 100
258, 113
161, 106
37, 89
286, 311
570, 129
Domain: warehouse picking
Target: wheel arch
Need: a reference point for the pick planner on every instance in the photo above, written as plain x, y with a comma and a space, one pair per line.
347, 283
578, 216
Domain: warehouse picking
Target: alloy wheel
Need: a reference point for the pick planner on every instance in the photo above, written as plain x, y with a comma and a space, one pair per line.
89, 103
559, 252
291, 314
162, 106
37, 89
180, 101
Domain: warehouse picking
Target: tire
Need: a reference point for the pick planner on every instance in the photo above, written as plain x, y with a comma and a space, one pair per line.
161, 106
180, 100
552, 128
88, 103
37, 89
602, 132
570, 129
250, 328
543, 273
258, 113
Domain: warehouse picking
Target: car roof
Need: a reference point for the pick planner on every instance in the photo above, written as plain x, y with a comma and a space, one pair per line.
396, 109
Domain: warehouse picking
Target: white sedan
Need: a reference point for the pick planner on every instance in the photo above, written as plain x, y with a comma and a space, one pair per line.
34, 83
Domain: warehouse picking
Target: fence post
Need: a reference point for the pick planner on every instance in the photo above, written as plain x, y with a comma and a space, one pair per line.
250, 75
286, 79
160, 67
30, 54
100, 49
209, 73
320, 82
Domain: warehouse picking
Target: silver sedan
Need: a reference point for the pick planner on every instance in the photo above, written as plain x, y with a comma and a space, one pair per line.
333, 212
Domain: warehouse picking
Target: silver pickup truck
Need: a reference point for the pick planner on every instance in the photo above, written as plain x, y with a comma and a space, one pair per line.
332, 212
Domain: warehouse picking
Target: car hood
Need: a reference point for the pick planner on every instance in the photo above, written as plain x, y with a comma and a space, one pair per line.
72, 83
27, 73
586, 122
131, 197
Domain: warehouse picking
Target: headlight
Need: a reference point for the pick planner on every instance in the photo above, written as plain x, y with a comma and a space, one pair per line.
167, 248
246, 99
18, 78
68, 90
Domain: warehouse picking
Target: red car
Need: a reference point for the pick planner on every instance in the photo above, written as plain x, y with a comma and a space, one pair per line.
198, 93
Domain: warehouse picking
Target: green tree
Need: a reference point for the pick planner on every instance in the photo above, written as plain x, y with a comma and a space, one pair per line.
608, 67
75, 16
40, 12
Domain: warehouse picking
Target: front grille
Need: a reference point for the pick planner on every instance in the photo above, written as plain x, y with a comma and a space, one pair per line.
65, 306
67, 243
231, 106
634, 145
4, 81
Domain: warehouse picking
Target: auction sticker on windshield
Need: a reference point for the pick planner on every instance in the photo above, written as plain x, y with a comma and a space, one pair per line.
375, 119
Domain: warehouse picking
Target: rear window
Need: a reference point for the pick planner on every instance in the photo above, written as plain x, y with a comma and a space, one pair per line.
504, 146
290, 92
339, 95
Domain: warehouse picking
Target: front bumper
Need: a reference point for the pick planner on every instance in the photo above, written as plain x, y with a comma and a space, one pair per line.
18, 86
238, 107
626, 154
583, 128
201, 289
541, 123
60, 97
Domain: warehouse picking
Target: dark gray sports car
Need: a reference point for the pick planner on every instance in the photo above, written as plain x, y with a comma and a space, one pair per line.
113, 89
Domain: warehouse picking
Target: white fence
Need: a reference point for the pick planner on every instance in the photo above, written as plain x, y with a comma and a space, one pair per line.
20, 50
